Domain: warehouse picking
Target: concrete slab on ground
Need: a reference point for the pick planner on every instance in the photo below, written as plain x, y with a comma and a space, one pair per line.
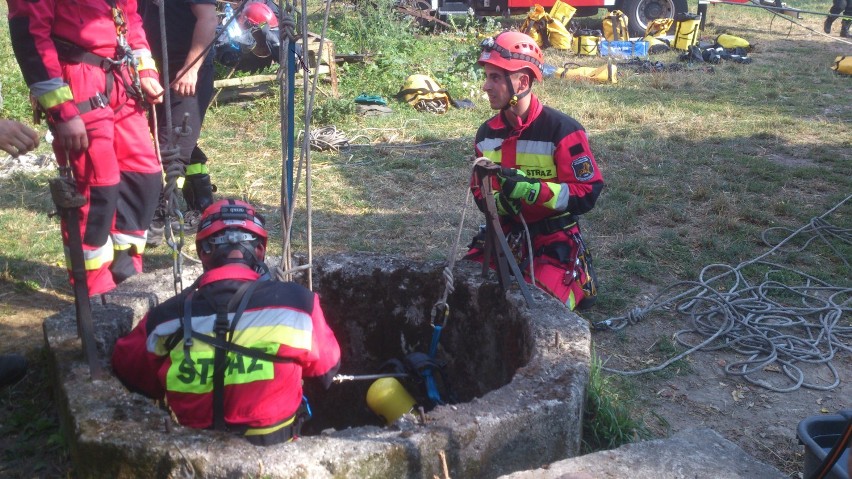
688, 454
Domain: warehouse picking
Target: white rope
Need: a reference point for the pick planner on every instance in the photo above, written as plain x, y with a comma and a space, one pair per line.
779, 327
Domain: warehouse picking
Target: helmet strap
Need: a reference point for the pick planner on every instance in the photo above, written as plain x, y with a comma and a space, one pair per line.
513, 97
219, 256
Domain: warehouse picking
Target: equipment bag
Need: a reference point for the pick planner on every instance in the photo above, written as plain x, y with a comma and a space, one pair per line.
603, 74
585, 42
843, 65
545, 30
686, 30
535, 25
731, 42
615, 26
424, 94
656, 45
562, 12
659, 27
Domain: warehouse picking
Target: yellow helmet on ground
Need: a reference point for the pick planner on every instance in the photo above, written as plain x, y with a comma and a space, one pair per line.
424, 94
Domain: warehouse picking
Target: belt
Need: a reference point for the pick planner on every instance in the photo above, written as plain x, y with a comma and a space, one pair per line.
552, 225
69, 52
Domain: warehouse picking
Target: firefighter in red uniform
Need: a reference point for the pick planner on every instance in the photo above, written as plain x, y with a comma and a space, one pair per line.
229, 353
88, 67
549, 176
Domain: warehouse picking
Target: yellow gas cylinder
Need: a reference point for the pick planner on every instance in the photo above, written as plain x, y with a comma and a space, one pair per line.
388, 398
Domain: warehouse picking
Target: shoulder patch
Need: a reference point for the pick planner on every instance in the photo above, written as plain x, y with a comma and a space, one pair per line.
583, 168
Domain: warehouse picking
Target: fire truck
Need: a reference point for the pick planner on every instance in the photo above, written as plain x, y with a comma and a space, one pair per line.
639, 12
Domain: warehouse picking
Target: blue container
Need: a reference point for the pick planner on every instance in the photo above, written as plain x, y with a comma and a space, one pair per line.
624, 48
819, 434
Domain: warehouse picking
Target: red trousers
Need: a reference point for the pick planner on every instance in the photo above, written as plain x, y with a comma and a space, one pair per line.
559, 265
119, 175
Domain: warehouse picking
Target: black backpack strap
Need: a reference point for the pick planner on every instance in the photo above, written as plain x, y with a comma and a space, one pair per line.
220, 357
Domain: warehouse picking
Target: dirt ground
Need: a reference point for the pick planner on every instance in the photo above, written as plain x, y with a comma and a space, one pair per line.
694, 392
697, 392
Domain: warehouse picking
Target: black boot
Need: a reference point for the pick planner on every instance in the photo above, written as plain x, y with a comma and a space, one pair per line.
844, 28
198, 192
826, 27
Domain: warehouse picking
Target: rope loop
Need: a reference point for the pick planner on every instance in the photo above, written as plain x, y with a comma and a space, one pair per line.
777, 318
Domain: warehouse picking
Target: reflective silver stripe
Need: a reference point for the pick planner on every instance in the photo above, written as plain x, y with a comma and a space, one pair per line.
43, 87
122, 240
533, 147
489, 144
561, 202
163, 330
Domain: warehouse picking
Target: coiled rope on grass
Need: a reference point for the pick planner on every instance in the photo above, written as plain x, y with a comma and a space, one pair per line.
779, 327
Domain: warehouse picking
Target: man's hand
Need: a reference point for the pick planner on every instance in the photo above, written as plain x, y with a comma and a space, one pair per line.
71, 134
517, 186
17, 138
152, 90
185, 85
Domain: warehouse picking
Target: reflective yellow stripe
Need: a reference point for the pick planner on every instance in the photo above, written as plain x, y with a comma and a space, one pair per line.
532, 160
556, 188
494, 156
572, 301
197, 169
56, 97
93, 259
146, 63
280, 334
180, 182
197, 378
267, 430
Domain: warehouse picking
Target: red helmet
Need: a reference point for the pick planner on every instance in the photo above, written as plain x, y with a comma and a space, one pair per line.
256, 15
227, 225
512, 51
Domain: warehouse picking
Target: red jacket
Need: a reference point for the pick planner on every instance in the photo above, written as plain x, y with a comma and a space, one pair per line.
283, 319
552, 147
88, 24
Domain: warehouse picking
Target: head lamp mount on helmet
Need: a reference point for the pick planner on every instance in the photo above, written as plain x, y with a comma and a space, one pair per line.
227, 226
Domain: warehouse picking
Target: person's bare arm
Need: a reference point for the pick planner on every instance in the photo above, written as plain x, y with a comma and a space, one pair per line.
203, 34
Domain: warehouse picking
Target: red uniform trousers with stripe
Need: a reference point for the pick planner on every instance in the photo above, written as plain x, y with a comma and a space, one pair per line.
119, 175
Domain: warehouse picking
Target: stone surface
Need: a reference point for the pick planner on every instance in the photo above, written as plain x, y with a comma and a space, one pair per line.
522, 401
694, 453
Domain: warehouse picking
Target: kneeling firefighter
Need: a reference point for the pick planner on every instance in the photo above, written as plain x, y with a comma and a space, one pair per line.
229, 353
547, 176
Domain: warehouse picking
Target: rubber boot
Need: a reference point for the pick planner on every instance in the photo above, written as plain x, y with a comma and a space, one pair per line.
826, 27
844, 28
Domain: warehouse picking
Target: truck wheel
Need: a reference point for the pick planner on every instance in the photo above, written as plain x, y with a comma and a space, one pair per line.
641, 12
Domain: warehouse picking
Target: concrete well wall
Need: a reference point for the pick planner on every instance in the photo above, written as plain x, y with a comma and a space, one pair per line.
518, 372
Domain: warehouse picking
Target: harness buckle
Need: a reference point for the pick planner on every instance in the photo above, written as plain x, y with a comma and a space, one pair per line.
98, 101
108, 64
